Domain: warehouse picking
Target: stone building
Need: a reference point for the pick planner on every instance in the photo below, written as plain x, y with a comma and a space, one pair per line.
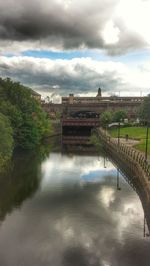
71, 99
98, 104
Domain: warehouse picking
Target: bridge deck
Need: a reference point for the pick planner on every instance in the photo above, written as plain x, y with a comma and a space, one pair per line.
93, 122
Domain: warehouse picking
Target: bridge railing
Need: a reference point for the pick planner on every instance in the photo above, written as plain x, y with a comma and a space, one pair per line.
127, 153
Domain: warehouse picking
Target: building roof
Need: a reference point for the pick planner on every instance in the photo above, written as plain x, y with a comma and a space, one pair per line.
34, 93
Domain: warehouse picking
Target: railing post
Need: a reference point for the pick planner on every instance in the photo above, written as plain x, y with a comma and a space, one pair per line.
146, 147
118, 133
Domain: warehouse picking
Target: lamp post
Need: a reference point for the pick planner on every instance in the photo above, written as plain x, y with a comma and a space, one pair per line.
144, 228
146, 146
118, 184
104, 162
119, 133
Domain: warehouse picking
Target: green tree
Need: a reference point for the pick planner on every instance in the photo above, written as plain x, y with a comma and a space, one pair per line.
119, 116
58, 115
106, 118
30, 124
145, 109
15, 117
6, 140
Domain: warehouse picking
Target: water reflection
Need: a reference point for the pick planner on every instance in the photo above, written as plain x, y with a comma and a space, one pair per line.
19, 183
22, 177
76, 217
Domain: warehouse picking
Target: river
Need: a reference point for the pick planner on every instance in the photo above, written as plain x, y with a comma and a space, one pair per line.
70, 210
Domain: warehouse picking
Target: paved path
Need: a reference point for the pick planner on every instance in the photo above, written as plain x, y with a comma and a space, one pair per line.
129, 142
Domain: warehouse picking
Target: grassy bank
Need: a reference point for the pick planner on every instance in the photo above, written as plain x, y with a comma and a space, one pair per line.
133, 132
138, 133
141, 146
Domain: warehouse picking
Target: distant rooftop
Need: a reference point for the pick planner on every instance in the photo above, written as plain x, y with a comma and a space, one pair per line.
35, 93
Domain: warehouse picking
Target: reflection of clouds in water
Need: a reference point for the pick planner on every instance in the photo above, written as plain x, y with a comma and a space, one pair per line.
88, 225
65, 229
105, 263
82, 170
71, 234
98, 175
106, 196
91, 165
130, 217
59, 168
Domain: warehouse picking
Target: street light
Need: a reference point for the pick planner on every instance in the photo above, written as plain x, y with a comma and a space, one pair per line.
119, 124
104, 162
118, 183
146, 147
118, 133
144, 228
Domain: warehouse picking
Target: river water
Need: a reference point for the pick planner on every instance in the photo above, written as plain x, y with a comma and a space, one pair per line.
70, 209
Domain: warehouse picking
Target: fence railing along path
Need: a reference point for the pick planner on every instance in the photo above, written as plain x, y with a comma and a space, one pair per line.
131, 159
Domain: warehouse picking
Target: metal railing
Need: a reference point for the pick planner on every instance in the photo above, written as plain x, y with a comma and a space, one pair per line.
127, 151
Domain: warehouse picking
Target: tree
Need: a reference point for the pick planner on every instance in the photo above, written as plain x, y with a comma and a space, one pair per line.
106, 118
145, 109
6, 140
58, 115
30, 124
119, 116
15, 117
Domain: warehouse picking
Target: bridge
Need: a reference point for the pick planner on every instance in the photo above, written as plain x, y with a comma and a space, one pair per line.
81, 114
77, 126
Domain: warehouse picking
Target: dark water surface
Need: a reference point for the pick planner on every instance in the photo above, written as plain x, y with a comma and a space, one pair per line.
67, 210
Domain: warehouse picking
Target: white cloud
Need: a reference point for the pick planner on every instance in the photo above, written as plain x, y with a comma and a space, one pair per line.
79, 75
135, 16
110, 33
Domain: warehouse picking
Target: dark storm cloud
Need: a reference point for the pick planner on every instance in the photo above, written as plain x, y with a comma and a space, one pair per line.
28, 20
63, 76
64, 24
79, 75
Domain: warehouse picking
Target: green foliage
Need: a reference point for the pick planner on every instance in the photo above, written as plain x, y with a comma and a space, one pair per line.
58, 115
6, 140
106, 118
13, 114
94, 140
119, 116
29, 123
145, 109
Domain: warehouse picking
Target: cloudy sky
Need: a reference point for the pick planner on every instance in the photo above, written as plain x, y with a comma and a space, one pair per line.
62, 46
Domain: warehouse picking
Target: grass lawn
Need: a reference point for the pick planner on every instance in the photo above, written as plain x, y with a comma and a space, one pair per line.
134, 133
141, 146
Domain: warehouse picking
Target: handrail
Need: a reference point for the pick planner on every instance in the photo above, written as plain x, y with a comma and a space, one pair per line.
127, 152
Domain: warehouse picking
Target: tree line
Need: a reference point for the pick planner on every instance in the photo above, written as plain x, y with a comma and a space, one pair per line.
143, 114
108, 117
22, 122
